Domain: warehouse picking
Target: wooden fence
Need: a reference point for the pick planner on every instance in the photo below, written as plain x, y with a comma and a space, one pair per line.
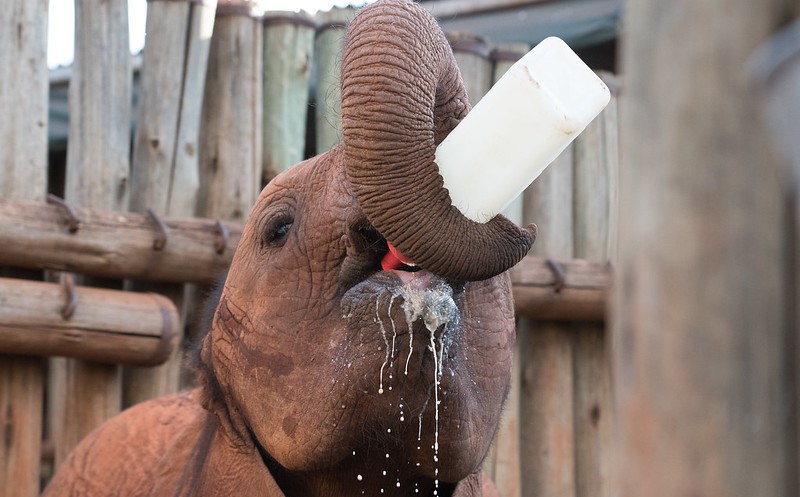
250, 82
703, 314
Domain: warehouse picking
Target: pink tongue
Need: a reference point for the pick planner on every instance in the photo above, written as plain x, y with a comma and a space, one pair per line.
394, 259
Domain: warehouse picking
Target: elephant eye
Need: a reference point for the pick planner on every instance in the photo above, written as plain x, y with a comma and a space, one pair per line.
277, 230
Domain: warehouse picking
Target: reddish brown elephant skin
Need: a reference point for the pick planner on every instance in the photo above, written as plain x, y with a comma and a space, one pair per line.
321, 374
284, 370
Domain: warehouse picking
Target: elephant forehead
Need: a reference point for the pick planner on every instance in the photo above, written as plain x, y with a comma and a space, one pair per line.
320, 180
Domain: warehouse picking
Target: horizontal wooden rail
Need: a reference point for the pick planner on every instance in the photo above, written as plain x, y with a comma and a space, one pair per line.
120, 245
574, 290
110, 326
114, 244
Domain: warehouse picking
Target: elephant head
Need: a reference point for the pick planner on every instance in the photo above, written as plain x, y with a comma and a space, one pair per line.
345, 376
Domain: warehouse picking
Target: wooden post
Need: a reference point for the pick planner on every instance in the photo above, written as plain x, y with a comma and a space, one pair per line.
165, 155
86, 394
703, 362
775, 69
547, 435
504, 467
288, 53
230, 144
594, 173
328, 52
472, 56
109, 326
23, 176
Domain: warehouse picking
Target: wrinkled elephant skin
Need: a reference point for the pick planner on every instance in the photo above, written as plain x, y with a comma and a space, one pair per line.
291, 370
323, 375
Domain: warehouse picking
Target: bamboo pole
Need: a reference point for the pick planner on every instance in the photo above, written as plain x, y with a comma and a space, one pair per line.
472, 57
85, 394
547, 437
594, 172
23, 176
704, 380
504, 466
108, 326
328, 51
165, 164
114, 245
230, 151
288, 53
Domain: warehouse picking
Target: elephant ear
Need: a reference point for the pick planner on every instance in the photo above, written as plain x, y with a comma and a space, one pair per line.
401, 96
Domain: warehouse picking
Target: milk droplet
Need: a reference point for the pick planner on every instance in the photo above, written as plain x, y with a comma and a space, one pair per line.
387, 455
384, 472
398, 483
359, 477
388, 430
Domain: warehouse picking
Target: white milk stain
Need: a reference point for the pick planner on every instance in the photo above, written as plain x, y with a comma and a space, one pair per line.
436, 307
385, 340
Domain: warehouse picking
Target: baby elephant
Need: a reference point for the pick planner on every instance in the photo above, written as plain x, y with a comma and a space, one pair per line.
322, 374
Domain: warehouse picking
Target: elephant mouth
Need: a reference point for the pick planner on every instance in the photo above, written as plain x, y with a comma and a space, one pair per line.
391, 303
410, 318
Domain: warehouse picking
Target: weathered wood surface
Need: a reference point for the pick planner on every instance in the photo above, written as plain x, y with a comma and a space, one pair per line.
21, 396
113, 244
288, 54
23, 98
547, 436
230, 144
594, 178
775, 69
107, 326
23, 176
165, 165
472, 56
98, 157
703, 355
165, 157
85, 394
328, 52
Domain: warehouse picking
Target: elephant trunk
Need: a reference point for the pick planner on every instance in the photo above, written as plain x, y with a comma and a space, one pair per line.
401, 95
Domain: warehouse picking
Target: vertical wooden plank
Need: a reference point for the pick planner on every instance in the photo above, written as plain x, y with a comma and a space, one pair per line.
503, 466
98, 165
703, 383
165, 165
23, 98
288, 53
593, 177
547, 435
775, 69
23, 176
328, 52
472, 56
230, 145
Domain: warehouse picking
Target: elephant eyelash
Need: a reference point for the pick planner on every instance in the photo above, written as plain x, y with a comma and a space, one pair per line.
277, 230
